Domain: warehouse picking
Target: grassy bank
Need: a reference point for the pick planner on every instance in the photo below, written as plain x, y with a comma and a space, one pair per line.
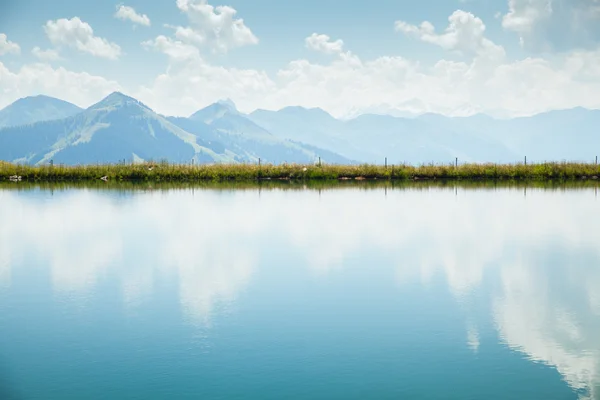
163, 172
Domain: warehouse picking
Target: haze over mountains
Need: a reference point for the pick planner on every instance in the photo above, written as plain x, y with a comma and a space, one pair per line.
119, 128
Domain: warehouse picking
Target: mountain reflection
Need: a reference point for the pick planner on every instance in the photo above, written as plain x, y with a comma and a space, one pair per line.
541, 252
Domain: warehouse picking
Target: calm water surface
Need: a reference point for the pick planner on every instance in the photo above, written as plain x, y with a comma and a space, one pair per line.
409, 293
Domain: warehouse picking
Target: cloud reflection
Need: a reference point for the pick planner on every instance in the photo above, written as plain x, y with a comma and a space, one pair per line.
84, 235
550, 314
547, 303
469, 237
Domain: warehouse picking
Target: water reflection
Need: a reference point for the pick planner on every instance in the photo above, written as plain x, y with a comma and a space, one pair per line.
552, 314
84, 235
473, 340
536, 258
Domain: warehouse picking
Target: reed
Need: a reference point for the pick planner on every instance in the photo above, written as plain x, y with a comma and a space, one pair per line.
166, 172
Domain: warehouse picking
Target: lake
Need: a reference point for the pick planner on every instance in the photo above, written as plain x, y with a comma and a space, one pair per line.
343, 292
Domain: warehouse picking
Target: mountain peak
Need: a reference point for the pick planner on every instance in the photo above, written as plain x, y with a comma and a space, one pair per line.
228, 103
115, 97
39, 97
293, 109
304, 112
215, 111
117, 100
118, 95
301, 109
37, 100
32, 109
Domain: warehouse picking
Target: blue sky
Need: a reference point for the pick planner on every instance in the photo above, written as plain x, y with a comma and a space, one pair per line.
467, 49
280, 26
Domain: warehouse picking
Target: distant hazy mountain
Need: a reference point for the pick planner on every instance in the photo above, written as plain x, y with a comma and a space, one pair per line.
371, 138
379, 109
215, 111
417, 141
117, 128
298, 123
223, 123
558, 135
34, 109
311, 126
572, 135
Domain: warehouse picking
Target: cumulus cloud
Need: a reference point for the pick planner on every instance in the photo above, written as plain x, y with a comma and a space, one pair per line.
349, 84
544, 25
195, 82
128, 13
79, 88
45, 55
324, 44
214, 27
174, 49
6, 46
79, 35
465, 34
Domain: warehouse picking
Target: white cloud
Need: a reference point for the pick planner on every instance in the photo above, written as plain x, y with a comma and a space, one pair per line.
189, 35
213, 27
523, 15
349, 84
465, 34
174, 49
324, 44
45, 55
79, 88
6, 46
128, 13
80, 35
194, 82
554, 24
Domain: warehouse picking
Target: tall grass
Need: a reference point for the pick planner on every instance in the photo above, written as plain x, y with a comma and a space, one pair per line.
165, 172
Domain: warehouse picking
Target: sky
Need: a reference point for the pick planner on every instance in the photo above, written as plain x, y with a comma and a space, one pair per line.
505, 58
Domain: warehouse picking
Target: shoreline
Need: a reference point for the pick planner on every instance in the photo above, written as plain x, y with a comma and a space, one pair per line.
164, 172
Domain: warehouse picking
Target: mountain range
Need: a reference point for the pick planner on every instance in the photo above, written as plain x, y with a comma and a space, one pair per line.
120, 128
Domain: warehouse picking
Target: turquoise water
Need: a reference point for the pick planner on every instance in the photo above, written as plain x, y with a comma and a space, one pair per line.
413, 293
